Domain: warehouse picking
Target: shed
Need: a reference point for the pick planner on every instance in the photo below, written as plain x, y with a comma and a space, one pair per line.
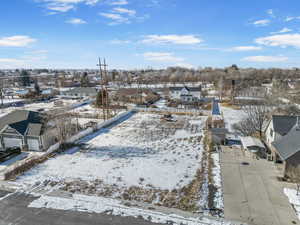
253, 145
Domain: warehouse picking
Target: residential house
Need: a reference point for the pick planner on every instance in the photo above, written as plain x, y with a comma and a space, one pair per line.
137, 95
287, 149
26, 130
278, 127
186, 94
80, 92
283, 139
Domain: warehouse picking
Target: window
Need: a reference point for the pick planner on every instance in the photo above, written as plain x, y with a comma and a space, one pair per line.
271, 132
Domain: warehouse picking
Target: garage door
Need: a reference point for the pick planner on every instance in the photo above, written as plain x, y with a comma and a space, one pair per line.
33, 144
12, 142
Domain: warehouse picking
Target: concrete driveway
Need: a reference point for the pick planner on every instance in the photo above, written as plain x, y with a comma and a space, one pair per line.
252, 193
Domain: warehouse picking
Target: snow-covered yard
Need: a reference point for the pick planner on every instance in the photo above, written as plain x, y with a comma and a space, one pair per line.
45, 106
232, 116
143, 159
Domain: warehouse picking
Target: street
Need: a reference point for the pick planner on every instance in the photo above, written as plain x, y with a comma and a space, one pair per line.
14, 211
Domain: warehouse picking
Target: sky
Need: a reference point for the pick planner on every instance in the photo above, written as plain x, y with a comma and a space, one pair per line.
135, 34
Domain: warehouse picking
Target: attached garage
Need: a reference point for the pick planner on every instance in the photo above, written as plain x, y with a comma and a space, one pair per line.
12, 142
33, 144
23, 129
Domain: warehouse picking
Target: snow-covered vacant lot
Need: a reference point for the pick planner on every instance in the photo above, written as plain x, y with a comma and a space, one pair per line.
143, 158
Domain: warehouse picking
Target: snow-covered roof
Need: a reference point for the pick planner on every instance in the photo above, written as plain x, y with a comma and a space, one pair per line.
251, 142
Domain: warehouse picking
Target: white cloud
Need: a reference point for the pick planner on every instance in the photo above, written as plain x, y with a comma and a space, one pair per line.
162, 57
116, 18
290, 18
76, 21
283, 30
260, 23
37, 52
120, 2
16, 41
271, 12
245, 48
266, 59
65, 5
172, 39
130, 12
281, 40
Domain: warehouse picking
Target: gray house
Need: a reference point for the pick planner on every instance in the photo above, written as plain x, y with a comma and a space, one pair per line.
278, 127
287, 149
80, 92
24, 129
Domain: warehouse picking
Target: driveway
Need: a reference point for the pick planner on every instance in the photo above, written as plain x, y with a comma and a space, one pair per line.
252, 193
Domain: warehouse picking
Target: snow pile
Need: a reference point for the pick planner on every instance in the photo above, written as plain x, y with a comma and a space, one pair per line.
294, 199
93, 204
217, 178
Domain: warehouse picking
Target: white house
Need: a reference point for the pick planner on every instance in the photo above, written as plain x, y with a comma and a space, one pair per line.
278, 127
186, 94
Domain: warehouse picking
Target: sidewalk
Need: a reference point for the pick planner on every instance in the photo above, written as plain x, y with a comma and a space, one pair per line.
252, 193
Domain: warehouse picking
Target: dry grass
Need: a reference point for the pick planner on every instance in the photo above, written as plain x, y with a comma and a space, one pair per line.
230, 105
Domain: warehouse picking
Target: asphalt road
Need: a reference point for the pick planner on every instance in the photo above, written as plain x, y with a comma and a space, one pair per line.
14, 211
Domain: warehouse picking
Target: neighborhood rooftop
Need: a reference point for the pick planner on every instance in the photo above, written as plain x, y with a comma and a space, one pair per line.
283, 124
289, 144
22, 121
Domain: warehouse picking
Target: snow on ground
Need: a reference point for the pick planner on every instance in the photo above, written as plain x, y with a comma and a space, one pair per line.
294, 199
11, 100
83, 121
232, 116
133, 150
162, 103
93, 204
217, 178
142, 153
13, 160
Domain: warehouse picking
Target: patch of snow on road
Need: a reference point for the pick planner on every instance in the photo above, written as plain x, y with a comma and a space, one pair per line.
294, 199
93, 204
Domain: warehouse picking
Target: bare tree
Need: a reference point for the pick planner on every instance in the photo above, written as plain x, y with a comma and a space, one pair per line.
257, 118
64, 127
244, 127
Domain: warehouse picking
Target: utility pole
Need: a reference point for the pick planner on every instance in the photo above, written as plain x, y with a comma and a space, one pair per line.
104, 91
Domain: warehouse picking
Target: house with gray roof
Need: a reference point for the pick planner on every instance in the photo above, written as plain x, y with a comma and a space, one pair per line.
24, 129
80, 92
278, 127
186, 94
287, 149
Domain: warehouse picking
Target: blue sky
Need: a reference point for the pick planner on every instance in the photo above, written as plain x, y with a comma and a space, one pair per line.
133, 34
